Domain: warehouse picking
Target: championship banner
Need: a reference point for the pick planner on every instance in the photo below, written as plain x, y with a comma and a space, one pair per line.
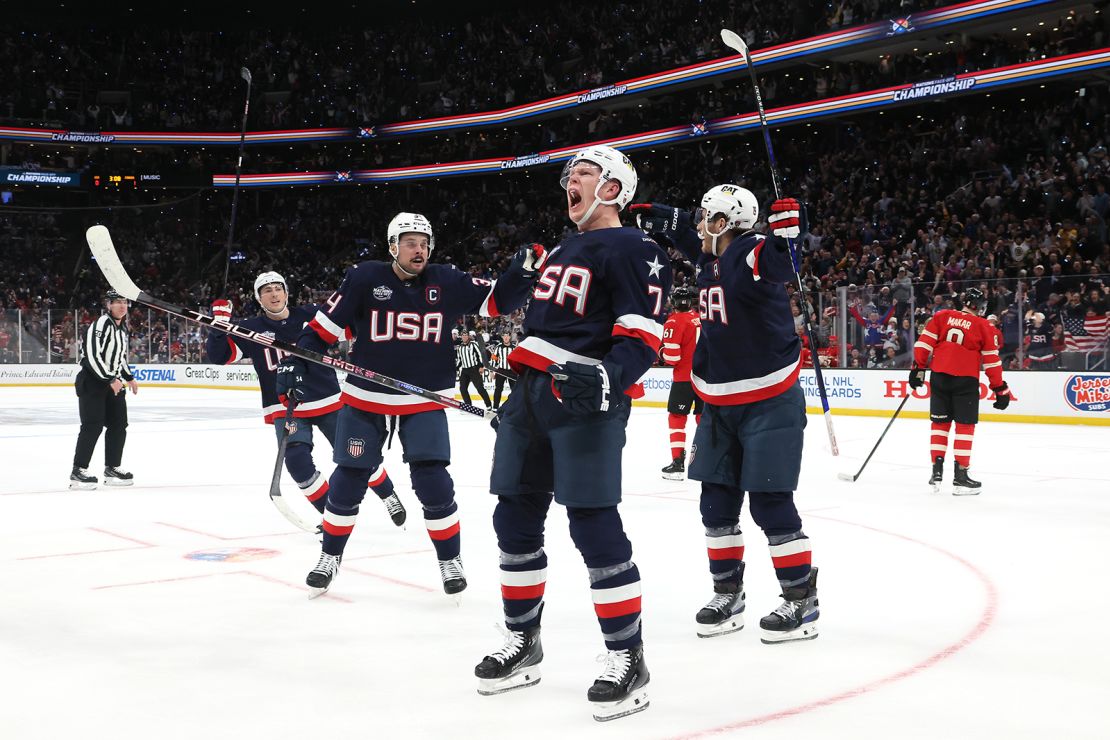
20, 176
908, 94
778, 56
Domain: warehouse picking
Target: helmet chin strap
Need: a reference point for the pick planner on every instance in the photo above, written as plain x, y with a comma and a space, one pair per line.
715, 236
593, 206
393, 254
281, 310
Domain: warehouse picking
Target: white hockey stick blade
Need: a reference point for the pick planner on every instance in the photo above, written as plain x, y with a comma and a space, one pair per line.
292, 516
104, 252
846, 476
735, 43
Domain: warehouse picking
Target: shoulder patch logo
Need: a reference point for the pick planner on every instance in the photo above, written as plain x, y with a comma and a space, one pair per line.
383, 293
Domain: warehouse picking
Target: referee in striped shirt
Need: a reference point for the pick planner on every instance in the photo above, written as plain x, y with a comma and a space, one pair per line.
499, 358
468, 359
101, 397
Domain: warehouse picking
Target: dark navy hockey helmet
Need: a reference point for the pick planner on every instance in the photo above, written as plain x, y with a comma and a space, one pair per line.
974, 299
682, 298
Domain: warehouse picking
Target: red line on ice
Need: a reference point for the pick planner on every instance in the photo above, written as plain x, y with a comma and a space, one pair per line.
986, 619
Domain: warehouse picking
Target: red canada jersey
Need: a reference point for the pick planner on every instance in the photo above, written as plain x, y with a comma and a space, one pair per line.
680, 336
958, 343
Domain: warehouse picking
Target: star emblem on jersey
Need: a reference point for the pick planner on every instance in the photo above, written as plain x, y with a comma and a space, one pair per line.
655, 267
383, 292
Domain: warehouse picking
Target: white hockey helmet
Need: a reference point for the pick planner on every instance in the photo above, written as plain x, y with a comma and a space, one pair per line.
267, 278
409, 223
735, 203
614, 166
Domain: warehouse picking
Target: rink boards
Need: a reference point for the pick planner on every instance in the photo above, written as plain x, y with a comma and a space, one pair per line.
1056, 397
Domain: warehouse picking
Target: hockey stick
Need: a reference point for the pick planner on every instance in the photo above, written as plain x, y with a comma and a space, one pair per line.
246, 75
100, 243
275, 482
736, 43
854, 478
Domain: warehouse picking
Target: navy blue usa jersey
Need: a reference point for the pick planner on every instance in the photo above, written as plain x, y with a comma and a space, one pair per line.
322, 390
748, 349
402, 328
599, 300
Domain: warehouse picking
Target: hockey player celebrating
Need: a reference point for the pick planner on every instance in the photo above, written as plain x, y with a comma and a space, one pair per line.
400, 314
592, 330
954, 344
318, 408
680, 336
746, 370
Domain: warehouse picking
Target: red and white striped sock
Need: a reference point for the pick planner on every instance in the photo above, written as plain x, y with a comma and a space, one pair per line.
938, 439
961, 445
677, 423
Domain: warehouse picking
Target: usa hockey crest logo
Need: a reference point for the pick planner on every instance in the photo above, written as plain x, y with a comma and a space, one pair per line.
383, 293
355, 447
899, 26
291, 427
432, 294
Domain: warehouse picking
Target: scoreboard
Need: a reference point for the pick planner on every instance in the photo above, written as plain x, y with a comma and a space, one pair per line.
139, 180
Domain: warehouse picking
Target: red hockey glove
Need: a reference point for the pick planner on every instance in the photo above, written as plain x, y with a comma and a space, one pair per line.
221, 309
785, 218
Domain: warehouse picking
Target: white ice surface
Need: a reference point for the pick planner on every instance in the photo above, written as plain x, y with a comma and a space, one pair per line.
941, 617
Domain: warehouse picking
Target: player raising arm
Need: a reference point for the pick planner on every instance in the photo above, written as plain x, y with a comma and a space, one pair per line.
954, 344
400, 314
750, 436
592, 330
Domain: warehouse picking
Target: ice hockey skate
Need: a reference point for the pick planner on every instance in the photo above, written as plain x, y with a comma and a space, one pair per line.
676, 470
620, 690
516, 665
962, 485
118, 477
938, 474
796, 617
319, 578
395, 509
454, 579
80, 480
724, 613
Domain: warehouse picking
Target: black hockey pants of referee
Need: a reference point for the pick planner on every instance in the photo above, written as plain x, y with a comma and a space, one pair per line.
473, 375
498, 386
100, 408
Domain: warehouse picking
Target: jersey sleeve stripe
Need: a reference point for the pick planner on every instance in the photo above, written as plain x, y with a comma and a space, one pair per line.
236, 353
328, 330
489, 305
927, 333
748, 390
923, 345
992, 364
646, 337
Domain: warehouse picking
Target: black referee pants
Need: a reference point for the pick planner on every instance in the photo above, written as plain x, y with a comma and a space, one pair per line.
100, 408
498, 386
473, 375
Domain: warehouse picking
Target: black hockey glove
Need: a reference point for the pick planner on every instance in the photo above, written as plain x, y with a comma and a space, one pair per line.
583, 389
531, 259
917, 377
1002, 396
292, 377
673, 226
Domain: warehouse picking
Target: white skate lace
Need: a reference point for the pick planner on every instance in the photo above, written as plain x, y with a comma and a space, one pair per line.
787, 609
328, 564
450, 569
719, 602
514, 641
617, 663
115, 471
393, 505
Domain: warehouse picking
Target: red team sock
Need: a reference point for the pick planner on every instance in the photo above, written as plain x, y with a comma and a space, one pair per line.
938, 440
677, 423
961, 445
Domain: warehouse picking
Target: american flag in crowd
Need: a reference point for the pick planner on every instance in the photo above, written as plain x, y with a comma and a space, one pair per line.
1085, 334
